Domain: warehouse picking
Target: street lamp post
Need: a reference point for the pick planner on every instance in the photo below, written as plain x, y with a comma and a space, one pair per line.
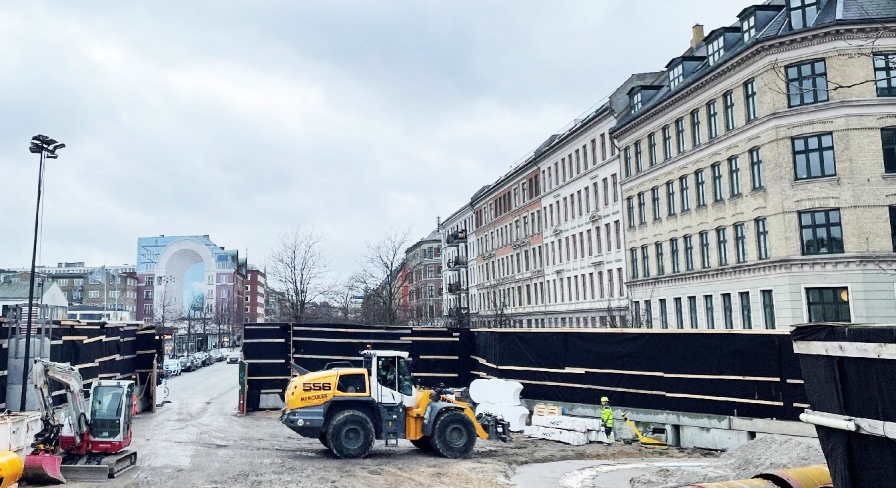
47, 148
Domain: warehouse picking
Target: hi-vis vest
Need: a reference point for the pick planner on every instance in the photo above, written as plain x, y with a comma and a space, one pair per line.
606, 415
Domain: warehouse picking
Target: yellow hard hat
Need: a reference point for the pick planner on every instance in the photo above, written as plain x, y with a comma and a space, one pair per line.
604, 399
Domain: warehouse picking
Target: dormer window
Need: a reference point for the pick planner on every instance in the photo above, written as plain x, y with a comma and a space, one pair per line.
716, 49
636, 102
802, 13
748, 28
676, 75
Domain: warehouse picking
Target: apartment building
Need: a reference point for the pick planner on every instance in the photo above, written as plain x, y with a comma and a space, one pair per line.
422, 301
255, 296
457, 253
758, 172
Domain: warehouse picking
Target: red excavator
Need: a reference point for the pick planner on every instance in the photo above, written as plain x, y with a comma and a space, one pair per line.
88, 441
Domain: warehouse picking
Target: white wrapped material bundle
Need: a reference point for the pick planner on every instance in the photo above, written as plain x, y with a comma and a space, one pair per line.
578, 424
593, 436
479, 391
516, 415
559, 435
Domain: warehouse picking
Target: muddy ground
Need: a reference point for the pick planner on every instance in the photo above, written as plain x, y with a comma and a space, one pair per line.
198, 440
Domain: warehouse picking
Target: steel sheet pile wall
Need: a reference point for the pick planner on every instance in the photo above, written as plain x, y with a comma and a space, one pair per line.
850, 371
105, 351
743, 373
266, 351
440, 355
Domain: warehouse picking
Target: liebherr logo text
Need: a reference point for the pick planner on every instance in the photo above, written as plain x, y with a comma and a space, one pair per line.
316, 387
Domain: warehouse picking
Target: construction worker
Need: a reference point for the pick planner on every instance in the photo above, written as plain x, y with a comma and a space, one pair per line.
606, 417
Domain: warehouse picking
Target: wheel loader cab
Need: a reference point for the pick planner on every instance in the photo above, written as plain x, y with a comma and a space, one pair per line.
390, 377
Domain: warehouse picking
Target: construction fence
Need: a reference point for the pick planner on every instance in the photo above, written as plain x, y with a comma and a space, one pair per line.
721, 372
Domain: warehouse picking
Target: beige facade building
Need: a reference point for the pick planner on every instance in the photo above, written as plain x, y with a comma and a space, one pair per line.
760, 172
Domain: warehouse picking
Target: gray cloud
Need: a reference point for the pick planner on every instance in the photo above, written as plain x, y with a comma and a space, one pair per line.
238, 119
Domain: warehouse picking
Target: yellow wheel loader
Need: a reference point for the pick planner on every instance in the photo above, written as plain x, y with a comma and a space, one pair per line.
348, 408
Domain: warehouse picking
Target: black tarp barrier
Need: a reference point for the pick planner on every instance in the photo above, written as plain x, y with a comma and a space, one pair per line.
440, 355
742, 373
860, 387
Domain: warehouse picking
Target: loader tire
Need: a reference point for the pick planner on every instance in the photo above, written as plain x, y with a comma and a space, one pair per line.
453, 435
423, 444
350, 434
323, 440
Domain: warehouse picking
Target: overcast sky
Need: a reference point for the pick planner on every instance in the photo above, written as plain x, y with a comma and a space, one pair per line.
241, 119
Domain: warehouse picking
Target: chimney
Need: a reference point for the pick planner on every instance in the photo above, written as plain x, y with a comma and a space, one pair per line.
698, 35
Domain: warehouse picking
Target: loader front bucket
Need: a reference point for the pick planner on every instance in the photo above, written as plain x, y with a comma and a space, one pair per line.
43, 468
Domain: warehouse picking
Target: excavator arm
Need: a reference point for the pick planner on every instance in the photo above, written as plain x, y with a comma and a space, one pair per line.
69, 377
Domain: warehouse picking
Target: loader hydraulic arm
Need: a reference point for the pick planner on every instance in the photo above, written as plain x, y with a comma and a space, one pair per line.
70, 378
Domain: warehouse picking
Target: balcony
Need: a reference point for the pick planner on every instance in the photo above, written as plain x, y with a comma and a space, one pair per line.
457, 262
456, 288
456, 238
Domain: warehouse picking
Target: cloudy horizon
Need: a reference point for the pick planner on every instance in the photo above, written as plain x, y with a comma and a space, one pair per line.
239, 120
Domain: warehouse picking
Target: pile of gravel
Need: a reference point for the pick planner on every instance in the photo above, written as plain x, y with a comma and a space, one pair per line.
767, 452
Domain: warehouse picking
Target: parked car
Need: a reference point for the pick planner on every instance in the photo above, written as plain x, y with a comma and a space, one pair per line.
187, 364
216, 355
234, 357
203, 357
172, 367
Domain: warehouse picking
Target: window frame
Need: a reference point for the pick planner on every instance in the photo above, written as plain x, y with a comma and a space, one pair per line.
748, 29
695, 128
728, 106
642, 209
718, 191
888, 148
715, 49
762, 244
674, 251
722, 245
740, 243
837, 294
712, 119
651, 149
768, 307
798, 93
734, 177
800, 10
756, 177
701, 188
639, 163
670, 198
828, 226
660, 259
688, 253
709, 311
656, 205
684, 192
705, 256
667, 143
680, 137
884, 65
750, 108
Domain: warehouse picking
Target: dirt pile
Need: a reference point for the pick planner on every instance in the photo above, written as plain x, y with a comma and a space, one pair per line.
765, 453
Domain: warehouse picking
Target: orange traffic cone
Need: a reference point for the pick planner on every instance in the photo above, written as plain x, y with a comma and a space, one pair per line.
135, 404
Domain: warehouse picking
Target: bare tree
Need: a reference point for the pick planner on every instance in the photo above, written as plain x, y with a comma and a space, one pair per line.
382, 278
165, 310
227, 318
299, 268
342, 296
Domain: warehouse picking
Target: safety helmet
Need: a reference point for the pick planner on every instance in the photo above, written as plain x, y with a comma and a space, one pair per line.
604, 399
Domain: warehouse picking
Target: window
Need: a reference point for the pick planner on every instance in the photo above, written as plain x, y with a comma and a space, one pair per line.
679, 319
637, 314
664, 318
740, 243
147, 309
888, 141
670, 197
761, 238
717, 192
807, 83
639, 166
685, 194
648, 314
655, 199
748, 28
746, 316
893, 226
93, 294
651, 148
667, 143
676, 75
756, 169
688, 253
603, 147
750, 100
828, 304
728, 98
147, 294
633, 259
704, 249
727, 311
712, 119
630, 206
660, 264
147, 281
802, 13
722, 245
701, 188
679, 131
645, 262
62, 282
695, 128
768, 308
80, 281
885, 74
615, 188
710, 312
692, 310
673, 245
224, 293
642, 209
734, 176
636, 102
716, 49
820, 232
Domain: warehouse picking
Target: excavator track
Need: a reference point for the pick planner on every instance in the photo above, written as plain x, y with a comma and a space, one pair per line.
94, 468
